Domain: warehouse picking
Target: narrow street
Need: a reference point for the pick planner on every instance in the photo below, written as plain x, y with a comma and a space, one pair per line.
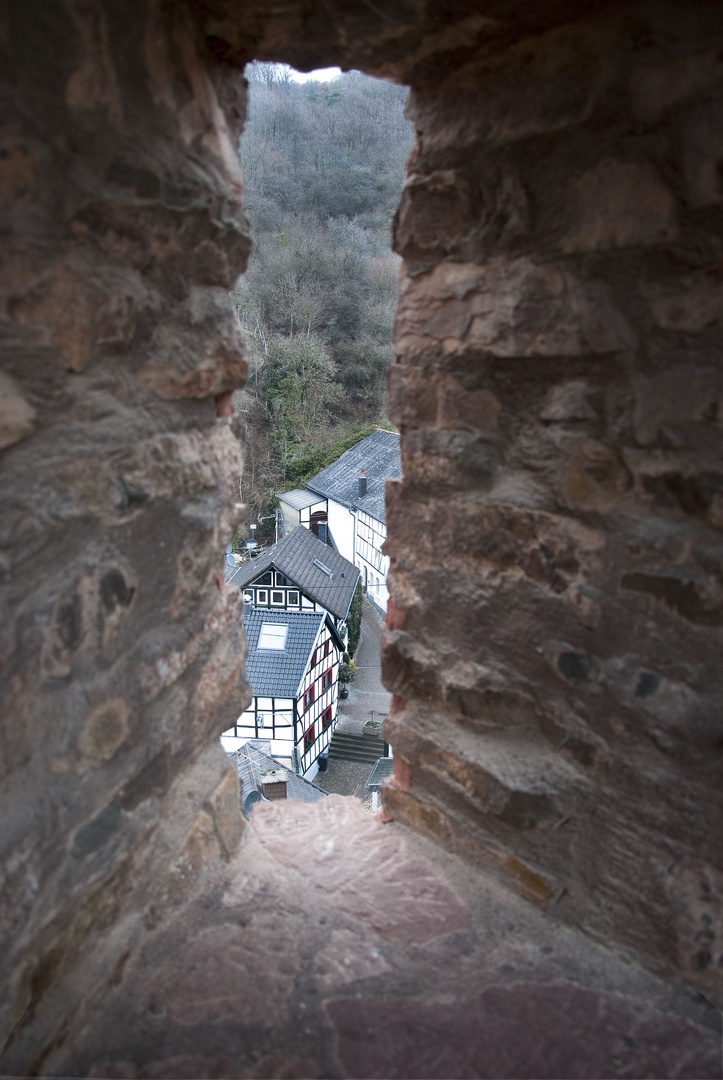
366, 693
368, 700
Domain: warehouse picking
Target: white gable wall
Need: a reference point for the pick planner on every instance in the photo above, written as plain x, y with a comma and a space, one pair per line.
342, 528
359, 538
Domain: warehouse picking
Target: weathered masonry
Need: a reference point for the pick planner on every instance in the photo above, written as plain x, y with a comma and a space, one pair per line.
548, 898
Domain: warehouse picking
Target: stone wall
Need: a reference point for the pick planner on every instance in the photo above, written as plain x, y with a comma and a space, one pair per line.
555, 541
122, 235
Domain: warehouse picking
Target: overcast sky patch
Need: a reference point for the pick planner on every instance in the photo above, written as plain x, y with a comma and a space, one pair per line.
320, 75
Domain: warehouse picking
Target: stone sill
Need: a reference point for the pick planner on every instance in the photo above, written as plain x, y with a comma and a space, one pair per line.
336, 945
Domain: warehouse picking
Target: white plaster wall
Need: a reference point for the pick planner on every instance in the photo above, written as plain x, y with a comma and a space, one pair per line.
281, 750
378, 594
311, 773
232, 742
341, 523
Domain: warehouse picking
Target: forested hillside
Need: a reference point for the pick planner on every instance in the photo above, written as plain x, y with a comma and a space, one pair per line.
324, 166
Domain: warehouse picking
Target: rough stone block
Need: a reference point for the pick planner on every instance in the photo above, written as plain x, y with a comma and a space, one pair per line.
401, 898
673, 408
514, 1031
17, 415
621, 204
657, 88
508, 308
703, 155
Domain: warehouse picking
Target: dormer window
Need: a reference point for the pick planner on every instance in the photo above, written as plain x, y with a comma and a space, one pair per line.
273, 636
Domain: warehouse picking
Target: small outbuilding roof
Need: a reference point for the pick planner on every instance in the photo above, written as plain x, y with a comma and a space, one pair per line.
300, 499
253, 758
324, 575
383, 768
379, 456
277, 672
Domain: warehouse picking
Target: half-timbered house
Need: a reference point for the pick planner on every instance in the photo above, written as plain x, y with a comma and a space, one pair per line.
300, 573
293, 667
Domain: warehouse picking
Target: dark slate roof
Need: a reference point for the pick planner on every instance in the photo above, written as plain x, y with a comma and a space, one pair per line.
299, 499
278, 673
383, 768
381, 460
294, 556
251, 761
229, 571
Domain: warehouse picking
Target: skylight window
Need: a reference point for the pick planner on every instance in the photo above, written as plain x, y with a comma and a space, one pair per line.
273, 636
321, 566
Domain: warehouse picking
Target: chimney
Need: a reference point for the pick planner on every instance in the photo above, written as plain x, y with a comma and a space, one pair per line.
362, 485
273, 783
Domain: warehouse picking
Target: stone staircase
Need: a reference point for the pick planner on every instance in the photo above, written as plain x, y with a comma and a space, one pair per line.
362, 748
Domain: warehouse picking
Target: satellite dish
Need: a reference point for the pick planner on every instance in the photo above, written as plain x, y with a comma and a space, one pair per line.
230, 561
251, 799
229, 549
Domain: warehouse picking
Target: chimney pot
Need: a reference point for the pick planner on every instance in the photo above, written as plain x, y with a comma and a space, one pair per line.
362, 485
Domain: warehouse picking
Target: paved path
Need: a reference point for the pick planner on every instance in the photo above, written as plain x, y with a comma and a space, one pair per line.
366, 694
346, 778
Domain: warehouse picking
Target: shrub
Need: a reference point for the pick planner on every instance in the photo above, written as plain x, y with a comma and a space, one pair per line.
347, 673
354, 618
